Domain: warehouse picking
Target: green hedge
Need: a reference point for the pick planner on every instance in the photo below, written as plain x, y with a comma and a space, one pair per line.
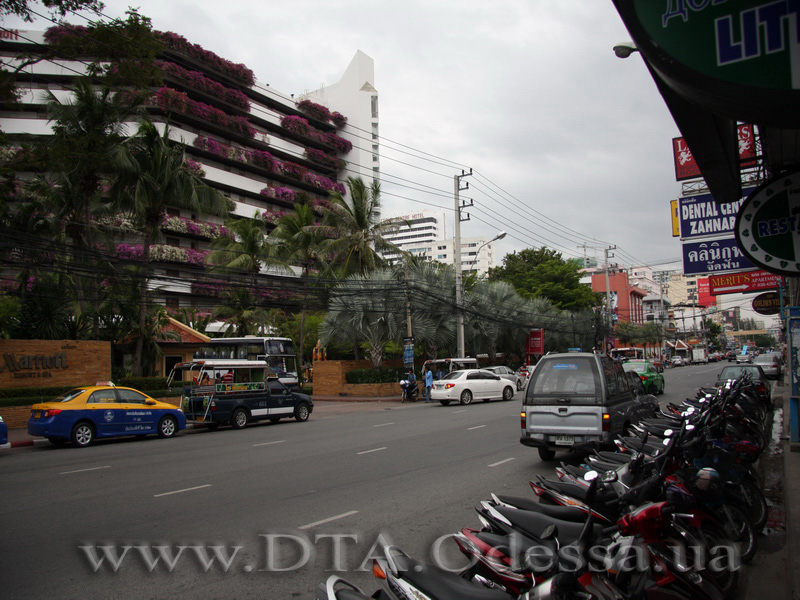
152, 386
382, 375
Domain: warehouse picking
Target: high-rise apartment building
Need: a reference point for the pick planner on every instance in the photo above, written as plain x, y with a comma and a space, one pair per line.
263, 149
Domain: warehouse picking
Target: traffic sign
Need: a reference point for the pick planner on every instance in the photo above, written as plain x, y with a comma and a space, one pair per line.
748, 281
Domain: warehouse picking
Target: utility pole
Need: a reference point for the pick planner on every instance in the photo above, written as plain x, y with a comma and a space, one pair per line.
608, 297
457, 258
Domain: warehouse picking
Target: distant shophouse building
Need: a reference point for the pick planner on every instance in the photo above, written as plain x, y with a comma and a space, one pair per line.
265, 150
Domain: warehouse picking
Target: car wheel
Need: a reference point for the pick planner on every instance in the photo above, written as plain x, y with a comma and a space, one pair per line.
546, 453
168, 427
239, 418
57, 441
466, 397
519, 385
663, 387
508, 393
444, 402
301, 412
653, 389
82, 435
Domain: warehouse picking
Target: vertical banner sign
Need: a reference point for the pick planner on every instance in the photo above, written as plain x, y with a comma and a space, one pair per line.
536, 341
408, 352
676, 221
794, 366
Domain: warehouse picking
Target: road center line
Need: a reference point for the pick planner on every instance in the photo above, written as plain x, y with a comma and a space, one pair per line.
268, 443
328, 520
84, 470
191, 489
383, 424
458, 411
501, 462
476, 427
373, 450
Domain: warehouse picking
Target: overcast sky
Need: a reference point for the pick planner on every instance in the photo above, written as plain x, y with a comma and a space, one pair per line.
570, 145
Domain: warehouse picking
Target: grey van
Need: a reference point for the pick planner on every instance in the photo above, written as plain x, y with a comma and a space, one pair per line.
578, 401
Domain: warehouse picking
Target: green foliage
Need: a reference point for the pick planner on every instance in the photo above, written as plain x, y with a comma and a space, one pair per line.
155, 387
57, 8
380, 375
543, 273
9, 310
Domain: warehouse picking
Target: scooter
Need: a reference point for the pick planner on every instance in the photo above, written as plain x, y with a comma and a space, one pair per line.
410, 390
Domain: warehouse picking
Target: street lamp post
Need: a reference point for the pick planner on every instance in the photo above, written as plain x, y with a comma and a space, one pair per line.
459, 292
474, 260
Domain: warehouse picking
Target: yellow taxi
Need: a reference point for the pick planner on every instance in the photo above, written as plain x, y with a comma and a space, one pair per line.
101, 411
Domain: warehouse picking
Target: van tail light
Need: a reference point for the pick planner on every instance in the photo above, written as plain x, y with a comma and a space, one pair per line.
523, 417
51, 412
606, 422
213, 406
643, 377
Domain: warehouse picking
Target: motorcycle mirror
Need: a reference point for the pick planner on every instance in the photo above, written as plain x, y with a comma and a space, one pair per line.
668, 433
590, 476
550, 532
609, 477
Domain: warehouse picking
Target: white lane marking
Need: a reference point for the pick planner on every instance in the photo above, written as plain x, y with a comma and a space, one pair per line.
84, 470
373, 450
502, 462
458, 411
329, 519
383, 424
476, 427
191, 489
268, 443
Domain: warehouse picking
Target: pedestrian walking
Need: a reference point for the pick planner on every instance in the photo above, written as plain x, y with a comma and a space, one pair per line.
428, 384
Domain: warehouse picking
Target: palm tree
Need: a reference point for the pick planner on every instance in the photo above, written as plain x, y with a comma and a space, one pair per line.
431, 291
299, 242
493, 308
365, 309
151, 176
87, 131
241, 312
247, 251
353, 230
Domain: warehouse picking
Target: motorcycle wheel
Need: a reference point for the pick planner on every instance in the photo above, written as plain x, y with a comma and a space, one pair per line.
726, 579
754, 504
739, 530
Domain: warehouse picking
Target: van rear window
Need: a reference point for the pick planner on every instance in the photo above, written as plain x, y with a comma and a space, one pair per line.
560, 377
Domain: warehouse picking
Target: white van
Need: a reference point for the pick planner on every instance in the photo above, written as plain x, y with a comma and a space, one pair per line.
446, 365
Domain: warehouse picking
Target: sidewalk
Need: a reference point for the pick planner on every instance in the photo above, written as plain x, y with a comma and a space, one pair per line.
772, 573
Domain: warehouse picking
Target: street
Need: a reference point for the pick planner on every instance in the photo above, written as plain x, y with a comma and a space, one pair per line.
411, 473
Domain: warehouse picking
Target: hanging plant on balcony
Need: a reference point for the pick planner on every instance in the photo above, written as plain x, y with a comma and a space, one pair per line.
326, 160
200, 82
279, 193
170, 99
236, 71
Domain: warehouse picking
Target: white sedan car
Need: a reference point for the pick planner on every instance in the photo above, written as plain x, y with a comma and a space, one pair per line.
463, 386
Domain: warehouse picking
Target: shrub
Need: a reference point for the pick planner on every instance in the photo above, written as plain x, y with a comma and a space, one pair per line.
382, 375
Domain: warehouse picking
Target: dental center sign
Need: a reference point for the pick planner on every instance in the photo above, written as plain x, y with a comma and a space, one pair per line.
701, 216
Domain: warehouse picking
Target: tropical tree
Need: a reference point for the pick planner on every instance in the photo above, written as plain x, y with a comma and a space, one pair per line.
431, 290
494, 308
241, 310
246, 251
365, 309
152, 176
88, 129
353, 229
298, 242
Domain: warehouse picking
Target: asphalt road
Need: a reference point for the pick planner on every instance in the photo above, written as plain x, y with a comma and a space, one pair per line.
254, 510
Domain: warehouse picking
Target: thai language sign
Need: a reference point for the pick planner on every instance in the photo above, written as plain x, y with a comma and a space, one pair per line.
750, 281
536, 341
714, 256
700, 216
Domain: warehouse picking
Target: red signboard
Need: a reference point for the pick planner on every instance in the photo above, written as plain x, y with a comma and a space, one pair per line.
704, 295
749, 281
686, 168
536, 341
